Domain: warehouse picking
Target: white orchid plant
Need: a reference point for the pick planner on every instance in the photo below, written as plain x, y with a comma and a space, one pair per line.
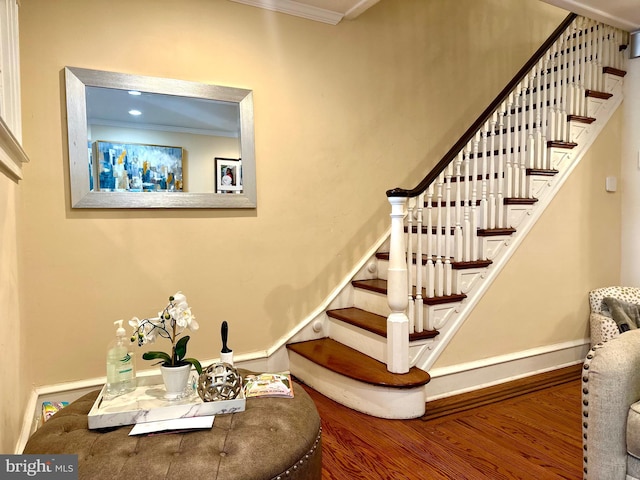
170, 324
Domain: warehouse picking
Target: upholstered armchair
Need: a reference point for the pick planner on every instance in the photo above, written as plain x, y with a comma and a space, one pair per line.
602, 325
611, 409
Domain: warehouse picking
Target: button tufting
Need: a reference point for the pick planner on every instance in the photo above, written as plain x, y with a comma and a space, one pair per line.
585, 414
585, 379
223, 454
585, 391
585, 403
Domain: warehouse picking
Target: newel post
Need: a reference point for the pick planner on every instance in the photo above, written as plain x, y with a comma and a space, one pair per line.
397, 291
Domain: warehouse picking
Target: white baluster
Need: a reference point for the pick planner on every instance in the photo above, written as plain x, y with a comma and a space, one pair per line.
474, 197
448, 279
564, 92
501, 160
516, 141
593, 52
411, 215
552, 128
531, 142
599, 50
571, 60
439, 267
466, 230
484, 208
491, 180
430, 272
419, 307
458, 239
544, 110
397, 321
581, 107
522, 178
509, 147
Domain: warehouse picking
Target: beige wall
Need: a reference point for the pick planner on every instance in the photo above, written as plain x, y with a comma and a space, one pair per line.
541, 296
13, 376
342, 114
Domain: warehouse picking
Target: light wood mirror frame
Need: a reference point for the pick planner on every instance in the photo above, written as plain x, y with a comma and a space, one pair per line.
78, 79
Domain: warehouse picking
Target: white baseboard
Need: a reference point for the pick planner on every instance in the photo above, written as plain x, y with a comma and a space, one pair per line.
467, 377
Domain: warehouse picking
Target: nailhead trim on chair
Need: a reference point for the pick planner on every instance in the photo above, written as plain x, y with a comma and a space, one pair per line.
585, 402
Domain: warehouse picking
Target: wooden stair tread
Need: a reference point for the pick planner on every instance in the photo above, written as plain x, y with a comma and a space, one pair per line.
350, 363
496, 232
561, 144
372, 322
615, 71
519, 201
379, 285
542, 171
455, 265
581, 119
596, 94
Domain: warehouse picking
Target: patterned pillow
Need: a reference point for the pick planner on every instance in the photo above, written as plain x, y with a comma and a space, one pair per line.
626, 294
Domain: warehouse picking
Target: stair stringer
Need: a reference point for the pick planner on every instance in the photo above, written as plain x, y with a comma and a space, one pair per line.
429, 352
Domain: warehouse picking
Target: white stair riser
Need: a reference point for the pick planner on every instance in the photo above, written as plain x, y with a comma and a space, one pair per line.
382, 402
371, 302
365, 342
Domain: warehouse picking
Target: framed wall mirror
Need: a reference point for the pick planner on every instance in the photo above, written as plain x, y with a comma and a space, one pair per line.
147, 142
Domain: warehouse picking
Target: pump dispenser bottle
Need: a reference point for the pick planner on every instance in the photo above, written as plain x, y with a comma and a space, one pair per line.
121, 373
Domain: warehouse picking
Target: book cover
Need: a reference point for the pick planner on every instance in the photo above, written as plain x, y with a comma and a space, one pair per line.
268, 385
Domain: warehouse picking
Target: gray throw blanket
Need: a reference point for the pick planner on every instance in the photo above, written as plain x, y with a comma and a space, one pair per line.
625, 314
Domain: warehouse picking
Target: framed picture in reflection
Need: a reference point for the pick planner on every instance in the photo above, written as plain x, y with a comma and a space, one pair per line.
228, 175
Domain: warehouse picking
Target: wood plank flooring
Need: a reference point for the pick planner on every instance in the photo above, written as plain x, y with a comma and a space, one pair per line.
534, 436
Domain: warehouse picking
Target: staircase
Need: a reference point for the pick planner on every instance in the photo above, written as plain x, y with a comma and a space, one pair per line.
452, 234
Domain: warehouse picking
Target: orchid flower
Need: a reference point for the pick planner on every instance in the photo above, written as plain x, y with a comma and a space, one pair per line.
169, 324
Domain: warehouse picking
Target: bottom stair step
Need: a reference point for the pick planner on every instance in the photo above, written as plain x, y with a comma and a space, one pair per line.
358, 381
349, 362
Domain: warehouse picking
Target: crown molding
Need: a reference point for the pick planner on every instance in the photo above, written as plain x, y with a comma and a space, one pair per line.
297, 9
608, 15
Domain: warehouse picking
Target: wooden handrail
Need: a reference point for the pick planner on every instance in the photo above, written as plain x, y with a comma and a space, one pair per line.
468, 135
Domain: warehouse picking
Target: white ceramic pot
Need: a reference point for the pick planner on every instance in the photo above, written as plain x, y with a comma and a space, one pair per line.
175, 379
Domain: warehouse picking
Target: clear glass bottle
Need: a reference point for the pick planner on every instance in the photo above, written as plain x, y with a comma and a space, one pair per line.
121, 371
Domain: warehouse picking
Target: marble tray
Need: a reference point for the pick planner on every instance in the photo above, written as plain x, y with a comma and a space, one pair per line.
147, 403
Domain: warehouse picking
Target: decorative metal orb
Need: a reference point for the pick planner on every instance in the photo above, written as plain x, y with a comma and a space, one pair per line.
219, 381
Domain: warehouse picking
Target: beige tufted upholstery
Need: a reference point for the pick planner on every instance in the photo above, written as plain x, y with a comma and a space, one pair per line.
274, 438
604, 328
611, 409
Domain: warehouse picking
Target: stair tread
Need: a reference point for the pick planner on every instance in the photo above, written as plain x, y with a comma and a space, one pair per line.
546, 172
379, 285
496, 232
596, 94
519, 201
346, 361
581, 119
615, 71
372, 322
462, 265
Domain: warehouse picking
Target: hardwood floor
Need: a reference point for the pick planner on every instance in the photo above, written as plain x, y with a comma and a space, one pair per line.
534, 436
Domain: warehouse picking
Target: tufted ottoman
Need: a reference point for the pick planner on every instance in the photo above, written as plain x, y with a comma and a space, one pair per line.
274, 438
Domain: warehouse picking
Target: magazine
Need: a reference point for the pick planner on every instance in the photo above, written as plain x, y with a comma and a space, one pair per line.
268, 385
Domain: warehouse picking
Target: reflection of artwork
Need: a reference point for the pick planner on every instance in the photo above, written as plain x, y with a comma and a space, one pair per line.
228, 175
131, 167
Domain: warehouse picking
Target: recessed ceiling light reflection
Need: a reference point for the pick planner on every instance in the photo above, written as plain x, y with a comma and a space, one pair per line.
135, 113
134, 92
